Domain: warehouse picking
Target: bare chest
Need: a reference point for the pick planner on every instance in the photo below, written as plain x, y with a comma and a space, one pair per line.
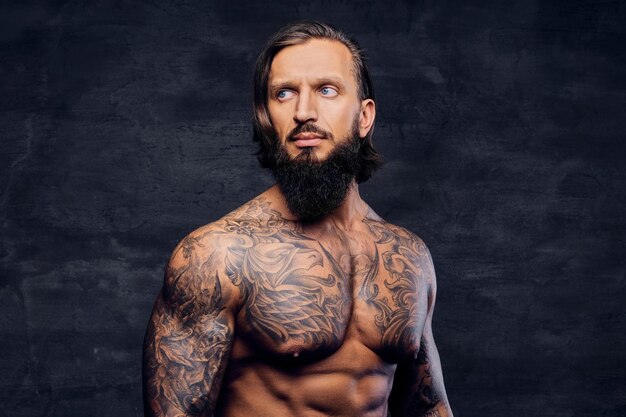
302, 298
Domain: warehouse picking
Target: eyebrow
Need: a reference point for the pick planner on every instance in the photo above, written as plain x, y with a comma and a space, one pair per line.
279, 85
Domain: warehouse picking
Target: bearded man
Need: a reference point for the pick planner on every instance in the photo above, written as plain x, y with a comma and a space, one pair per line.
303, 301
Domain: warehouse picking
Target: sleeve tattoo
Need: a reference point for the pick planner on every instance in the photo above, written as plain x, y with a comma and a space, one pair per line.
188, 338
418, 389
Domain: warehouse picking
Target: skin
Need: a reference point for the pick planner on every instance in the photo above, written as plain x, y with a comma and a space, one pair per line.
261, 315
313, 83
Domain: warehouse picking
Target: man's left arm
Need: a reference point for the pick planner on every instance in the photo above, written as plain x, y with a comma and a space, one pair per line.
418, 388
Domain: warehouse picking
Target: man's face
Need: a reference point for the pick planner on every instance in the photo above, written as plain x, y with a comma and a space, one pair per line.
319, 122
313, 98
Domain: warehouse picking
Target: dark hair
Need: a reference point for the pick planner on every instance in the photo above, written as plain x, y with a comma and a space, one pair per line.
296, 34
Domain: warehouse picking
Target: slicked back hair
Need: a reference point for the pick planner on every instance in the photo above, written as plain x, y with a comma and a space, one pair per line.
297, 34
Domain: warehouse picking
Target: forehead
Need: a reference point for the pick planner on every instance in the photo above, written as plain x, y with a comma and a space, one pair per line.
314, 59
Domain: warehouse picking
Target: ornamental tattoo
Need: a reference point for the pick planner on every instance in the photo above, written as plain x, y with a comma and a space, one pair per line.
290, 294
187, 340
425, 397
399, 311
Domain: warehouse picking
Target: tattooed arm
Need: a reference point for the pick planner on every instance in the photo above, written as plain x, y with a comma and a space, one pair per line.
190, 333
418, 388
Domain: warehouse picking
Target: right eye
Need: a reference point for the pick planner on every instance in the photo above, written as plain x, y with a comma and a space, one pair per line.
284, 94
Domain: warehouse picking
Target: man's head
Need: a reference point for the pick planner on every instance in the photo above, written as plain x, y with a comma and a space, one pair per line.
314, 114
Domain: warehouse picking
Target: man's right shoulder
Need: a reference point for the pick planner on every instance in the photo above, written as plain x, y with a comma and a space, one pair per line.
198, 266
212, 241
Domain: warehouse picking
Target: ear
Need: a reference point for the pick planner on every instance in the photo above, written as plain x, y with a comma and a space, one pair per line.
366, 116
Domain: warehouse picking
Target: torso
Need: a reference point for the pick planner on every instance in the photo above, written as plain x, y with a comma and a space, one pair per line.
323, 320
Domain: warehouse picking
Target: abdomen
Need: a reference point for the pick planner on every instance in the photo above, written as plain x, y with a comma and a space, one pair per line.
353, 381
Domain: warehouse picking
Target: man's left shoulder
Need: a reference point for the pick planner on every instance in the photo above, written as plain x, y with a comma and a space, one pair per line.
399, 235
408, 245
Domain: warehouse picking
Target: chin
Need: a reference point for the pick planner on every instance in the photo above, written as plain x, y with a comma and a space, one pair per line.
313, 153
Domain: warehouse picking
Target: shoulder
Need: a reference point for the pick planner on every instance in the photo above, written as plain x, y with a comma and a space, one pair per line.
419, 262
385, 232
413, 240
404, 248
195, 272
256, 216
203, 260
418, 248
203, 243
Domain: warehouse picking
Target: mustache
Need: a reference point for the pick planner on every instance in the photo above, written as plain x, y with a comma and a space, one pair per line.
309, 128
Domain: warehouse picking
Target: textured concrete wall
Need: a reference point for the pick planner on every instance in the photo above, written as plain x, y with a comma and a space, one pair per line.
124, 125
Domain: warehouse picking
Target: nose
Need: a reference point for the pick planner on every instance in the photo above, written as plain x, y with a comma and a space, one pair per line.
305, 108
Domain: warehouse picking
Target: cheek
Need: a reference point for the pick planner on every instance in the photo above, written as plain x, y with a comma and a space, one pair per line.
341, 109
341, 120
280, 120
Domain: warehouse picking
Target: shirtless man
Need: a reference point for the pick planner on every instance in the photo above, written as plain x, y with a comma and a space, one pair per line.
303, 301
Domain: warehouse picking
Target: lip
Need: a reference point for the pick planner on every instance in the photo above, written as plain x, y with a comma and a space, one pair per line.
307, 139
303, 143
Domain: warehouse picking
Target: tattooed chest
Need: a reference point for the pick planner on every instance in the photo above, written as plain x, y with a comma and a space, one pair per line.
391, 304
299, 302
394, 287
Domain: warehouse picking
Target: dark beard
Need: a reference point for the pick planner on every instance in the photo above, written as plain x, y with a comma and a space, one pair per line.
314, 188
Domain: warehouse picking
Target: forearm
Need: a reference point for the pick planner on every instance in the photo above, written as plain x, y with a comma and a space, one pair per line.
416, 408
179, 393
441, 409
183, 366
419, 389
181, 389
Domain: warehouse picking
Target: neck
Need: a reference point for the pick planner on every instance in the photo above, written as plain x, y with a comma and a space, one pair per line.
352, 210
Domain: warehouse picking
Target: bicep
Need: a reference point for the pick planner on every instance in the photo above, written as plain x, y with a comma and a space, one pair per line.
187, 342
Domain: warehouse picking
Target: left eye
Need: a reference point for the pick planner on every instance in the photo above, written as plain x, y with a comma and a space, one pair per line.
328, 91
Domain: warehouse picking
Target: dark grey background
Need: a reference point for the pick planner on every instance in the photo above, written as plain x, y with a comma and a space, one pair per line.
125, 125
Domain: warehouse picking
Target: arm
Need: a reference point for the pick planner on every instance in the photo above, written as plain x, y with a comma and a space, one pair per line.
189, 336
418, 388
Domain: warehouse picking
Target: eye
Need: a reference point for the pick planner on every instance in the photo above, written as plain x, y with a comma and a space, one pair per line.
328, 92
283, 94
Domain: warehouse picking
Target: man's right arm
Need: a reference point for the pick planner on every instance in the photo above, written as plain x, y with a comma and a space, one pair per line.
190, 334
